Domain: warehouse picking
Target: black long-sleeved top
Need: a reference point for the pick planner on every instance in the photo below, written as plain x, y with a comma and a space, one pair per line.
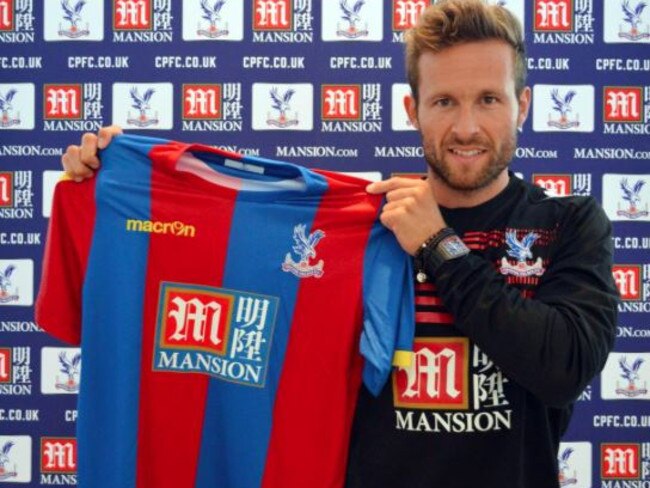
507, 338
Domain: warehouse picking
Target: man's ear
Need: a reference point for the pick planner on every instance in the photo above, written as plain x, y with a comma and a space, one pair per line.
524, 106
410, 105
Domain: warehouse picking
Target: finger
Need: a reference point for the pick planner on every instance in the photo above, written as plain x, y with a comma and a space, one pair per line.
88, 153
406, 204
105, 134
401, 193
391, 184
73, 166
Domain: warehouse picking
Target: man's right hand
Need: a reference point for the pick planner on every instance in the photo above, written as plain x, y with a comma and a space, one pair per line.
81, 162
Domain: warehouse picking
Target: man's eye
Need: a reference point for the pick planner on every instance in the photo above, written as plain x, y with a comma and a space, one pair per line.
443, 102
489, 99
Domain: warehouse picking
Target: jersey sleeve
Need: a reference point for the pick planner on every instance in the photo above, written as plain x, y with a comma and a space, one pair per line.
58, 305
554, 343
389, 316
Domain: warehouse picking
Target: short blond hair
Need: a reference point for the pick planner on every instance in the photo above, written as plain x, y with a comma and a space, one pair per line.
451, 22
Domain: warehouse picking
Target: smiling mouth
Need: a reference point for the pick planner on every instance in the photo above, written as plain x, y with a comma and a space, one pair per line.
467, 153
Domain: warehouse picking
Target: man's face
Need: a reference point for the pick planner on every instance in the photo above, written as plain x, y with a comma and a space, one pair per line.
468, 112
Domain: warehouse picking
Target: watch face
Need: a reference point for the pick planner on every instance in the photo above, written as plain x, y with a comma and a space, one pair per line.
452, 247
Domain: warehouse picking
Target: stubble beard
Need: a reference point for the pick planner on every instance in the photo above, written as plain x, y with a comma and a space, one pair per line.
449, 176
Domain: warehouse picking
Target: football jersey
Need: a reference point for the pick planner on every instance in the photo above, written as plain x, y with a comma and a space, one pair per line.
228, 309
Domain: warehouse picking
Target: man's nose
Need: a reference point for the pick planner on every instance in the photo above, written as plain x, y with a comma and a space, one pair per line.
466, 125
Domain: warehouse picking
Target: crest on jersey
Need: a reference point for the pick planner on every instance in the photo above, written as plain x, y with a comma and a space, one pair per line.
630, 373
305, 248
520, 251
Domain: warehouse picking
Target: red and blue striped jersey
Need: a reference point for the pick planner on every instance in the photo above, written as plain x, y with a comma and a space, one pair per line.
228, 308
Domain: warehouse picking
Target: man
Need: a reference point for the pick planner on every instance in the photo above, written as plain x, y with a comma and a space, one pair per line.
510, 333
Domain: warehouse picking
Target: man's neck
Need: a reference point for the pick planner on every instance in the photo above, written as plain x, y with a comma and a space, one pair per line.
450, 198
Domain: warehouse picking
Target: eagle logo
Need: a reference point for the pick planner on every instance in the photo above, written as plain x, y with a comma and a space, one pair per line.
212, 13
520, 250
565, 477
632, 16
6, 294
305, 247
5, 471
71, 368
281, 104
352, 16
73, 16
562, 104
6, 107
632, 195
630, 373
142, 103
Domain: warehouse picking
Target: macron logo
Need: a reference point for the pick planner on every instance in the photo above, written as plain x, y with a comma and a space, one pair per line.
176, 228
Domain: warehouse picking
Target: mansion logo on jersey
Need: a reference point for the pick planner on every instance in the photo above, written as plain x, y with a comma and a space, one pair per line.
353, 20
212, 107
626, 110
563, 21
213, 20
75, 107
626, 197
288, 106
627, 21
433, 393
633, 283
563, 108
223, 333
60, 370
626, 376
58, 458
404, 15
564, 185
143, 105
16, 195
142, 21
623, 461
16, 21
15, 458
574, 464
17, 106
71, 20
351, 108
283, 21
15, 371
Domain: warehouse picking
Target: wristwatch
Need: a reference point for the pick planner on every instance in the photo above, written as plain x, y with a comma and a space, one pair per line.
443, 246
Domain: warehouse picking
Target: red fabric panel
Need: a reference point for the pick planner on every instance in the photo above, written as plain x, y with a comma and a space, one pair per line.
172, 404
307, 451
58, 306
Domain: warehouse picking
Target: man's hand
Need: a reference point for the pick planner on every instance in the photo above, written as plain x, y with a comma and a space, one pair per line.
411, 211
81, 162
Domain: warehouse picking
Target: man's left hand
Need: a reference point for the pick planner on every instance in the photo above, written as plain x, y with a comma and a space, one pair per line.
411, 211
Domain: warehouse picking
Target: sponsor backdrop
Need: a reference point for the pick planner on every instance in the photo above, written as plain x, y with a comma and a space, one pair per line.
319, 83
